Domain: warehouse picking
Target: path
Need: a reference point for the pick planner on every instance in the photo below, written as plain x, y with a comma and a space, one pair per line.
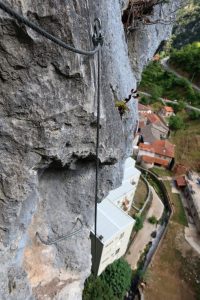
164, 101
144, 235
170, 69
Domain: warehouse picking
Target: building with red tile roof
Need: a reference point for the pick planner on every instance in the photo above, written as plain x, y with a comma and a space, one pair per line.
152, 118
167, 111
181, 182
144, 109
160, 152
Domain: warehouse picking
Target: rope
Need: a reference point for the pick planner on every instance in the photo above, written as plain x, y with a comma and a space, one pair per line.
97, 37
97, 147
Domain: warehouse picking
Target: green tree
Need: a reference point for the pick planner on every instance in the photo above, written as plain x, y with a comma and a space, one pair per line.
138, 223
176, 122
144, 100
98, 289
118, 277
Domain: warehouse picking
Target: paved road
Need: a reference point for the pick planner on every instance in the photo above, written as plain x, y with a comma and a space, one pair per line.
170, 69
164, 101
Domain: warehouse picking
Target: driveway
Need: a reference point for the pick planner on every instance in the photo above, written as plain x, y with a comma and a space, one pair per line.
144, 235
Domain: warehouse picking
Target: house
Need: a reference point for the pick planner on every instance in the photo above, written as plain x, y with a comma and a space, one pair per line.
160, 153
192, 194
167, 111
180, 182
180, 169
152, 118
154, 131
114, 228
144, 109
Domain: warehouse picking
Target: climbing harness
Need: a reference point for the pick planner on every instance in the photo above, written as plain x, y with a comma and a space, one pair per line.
97, 39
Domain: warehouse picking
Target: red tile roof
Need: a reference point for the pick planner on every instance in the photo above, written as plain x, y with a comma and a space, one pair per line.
168, 109
161, 147
157, 160
147, 147
164, 147
180, 169
153, 118
143, 107
180, 181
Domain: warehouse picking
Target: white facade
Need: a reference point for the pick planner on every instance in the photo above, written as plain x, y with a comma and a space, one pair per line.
114, 228
142, 152
114, 225
123, 196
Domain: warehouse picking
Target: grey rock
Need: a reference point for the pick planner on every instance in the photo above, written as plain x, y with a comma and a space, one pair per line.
48, 138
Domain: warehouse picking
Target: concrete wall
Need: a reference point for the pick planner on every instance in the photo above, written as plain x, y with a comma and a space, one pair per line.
193, 208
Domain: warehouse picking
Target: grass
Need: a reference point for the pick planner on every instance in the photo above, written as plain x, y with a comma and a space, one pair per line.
161, 172
140, 194
187, 141
179, 215
174, 273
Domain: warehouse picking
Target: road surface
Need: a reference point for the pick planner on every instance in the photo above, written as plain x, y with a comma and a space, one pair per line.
170, 69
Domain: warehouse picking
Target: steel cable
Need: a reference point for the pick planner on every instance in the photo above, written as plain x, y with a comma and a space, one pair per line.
46, 34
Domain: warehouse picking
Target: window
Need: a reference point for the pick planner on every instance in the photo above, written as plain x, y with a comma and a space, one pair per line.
117, 251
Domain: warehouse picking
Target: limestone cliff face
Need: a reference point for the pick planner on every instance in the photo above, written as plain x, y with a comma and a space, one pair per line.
48, 132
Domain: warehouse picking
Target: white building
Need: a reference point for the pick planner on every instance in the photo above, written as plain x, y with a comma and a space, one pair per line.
114, 228
114, 225
123, 196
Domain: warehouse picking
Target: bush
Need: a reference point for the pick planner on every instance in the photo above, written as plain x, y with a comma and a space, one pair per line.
194, 115
138, 223
176, 122
118, 277
122, 107
152, 220
144, 100
96, 288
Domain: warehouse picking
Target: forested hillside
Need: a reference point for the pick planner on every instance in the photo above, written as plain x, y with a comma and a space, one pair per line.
187, 29
187, 59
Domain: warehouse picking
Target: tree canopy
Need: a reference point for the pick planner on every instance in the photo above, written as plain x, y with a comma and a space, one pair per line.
118, 277
176, 122
187, 59
112, 284
98, 289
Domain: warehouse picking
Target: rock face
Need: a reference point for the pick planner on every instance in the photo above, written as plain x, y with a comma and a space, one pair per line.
48, 138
